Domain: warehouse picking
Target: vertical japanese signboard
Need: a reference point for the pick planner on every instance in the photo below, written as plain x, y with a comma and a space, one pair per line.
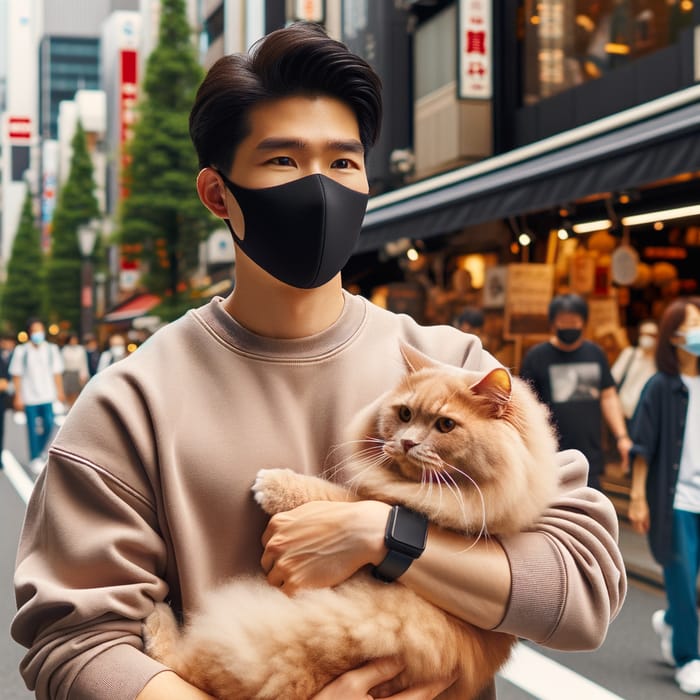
475, 47
128, 63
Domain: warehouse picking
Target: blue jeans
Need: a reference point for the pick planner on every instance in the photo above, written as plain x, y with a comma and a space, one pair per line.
680, 576
38, 440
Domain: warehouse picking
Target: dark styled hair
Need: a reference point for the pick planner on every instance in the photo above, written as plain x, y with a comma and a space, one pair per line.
568, 303
471, 315
31, 321
298, 60
671, 320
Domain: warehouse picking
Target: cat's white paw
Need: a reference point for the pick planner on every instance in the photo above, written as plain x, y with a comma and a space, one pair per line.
273, 490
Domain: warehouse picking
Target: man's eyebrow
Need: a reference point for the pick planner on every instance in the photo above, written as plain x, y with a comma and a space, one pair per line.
274, 144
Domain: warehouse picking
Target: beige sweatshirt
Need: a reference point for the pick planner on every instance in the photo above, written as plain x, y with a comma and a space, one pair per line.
146, 495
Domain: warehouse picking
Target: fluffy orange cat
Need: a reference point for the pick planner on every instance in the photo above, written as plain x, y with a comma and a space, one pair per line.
472, 451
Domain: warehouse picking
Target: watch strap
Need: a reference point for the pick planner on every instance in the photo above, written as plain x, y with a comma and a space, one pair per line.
404, 546
392, 566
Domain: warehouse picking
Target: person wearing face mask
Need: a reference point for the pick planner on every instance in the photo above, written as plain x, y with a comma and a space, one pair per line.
36, 369
665, 492
572, 376
634, 366
115, 352
151, 473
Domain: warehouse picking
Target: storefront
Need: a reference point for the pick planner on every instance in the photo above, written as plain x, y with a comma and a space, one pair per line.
611, 209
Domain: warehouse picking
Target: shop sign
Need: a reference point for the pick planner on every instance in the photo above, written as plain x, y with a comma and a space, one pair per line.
475, 49
528, 293
128, 63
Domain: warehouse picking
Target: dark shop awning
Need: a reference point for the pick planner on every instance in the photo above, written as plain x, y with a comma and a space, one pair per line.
516, 183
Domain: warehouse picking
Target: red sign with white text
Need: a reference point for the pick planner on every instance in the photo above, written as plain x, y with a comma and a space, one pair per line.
475, 50
128, 63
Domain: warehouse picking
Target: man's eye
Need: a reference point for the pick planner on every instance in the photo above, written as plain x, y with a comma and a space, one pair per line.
342, 163
282, 160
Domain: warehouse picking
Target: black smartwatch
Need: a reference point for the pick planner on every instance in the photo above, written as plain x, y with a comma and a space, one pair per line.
405, 537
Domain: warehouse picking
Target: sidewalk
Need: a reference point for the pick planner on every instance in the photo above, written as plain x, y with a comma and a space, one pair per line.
639, 563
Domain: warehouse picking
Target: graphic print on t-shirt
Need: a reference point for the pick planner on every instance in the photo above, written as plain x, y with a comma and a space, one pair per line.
577, 381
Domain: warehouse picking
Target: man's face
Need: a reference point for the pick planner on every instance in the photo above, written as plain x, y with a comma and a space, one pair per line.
567, 320
294, 137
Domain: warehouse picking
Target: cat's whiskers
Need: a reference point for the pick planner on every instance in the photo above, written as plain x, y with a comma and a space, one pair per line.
483, 531
332, 471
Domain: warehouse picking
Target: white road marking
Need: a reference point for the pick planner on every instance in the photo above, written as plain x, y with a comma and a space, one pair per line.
548, 680
16, 475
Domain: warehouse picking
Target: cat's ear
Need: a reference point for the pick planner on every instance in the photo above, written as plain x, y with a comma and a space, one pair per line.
414, 359
495, 386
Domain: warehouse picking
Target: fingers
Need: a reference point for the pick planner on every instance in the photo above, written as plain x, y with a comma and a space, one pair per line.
425, 691
356, 684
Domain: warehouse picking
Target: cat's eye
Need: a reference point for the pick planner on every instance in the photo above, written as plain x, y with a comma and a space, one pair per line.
444, 425
404, 414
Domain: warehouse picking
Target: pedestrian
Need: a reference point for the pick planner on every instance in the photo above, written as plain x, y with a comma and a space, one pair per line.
634, 367
572, 376
75, 368
115, 352
470, 320
36, 369
5, 355
665, 491
150, 475
92, 350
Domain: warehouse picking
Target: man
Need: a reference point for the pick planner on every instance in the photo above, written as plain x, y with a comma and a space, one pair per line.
36, 369
151, 473
7, 347
572, 376
115, 352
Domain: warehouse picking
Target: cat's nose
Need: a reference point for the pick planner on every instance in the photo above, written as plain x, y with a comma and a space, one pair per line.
408, 444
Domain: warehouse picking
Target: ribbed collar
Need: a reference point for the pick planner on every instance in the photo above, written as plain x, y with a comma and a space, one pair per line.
313, 347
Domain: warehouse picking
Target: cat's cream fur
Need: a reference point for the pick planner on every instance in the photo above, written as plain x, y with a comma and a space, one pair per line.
474, 452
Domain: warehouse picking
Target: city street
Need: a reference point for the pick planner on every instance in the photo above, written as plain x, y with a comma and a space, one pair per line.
628, 666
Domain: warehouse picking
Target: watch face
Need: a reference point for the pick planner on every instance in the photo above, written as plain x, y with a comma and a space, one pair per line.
408, 533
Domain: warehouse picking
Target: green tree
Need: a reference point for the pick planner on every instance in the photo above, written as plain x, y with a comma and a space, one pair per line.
76, 206
23, 294
162, 220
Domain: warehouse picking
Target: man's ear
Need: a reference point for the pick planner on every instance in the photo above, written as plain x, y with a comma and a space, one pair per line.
212, 192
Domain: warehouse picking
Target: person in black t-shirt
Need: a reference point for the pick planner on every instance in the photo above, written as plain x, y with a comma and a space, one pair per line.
572, 376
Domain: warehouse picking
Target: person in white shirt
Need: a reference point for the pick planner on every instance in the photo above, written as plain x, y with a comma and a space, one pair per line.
115, 352
36, 369
635, 366
75, 368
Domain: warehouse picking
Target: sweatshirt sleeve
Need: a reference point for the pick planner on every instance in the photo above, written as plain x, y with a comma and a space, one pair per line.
86, 576
568, 575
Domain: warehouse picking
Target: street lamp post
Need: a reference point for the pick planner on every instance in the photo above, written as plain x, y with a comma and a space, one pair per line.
87, 235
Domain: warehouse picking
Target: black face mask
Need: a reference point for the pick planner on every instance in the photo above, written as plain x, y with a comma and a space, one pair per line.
569, 336
302, 232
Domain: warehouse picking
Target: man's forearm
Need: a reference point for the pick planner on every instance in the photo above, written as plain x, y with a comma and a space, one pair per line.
469, 580
169, 686
612, 412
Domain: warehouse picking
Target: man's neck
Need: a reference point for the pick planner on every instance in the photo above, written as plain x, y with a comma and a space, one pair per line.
280, 311
554, 340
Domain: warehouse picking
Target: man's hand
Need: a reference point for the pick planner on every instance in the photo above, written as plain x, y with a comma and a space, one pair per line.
638, 514
624, 445
323, 543
356, 684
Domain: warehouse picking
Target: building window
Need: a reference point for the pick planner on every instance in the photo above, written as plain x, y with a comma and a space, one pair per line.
20, 162
214, 25
569, 42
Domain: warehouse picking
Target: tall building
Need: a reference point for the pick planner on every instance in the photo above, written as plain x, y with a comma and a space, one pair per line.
66, 64
19, 135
